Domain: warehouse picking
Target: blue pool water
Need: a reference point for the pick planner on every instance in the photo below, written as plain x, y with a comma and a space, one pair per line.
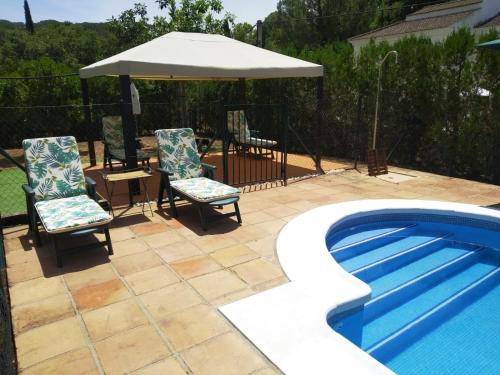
435, 305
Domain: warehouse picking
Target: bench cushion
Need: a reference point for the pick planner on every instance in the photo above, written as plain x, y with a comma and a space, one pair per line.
204, 190
67, 214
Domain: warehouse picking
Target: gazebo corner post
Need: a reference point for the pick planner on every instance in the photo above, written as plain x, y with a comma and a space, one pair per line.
129, 130
320, 122
88, 120
284, 147
225, 142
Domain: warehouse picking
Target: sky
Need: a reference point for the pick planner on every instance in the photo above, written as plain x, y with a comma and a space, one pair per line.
100, 10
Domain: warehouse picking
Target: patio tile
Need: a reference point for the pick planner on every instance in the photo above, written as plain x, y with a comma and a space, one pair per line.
44, 342
257, 217
266, 371
95, 275
217, 284
170, 299
169, 366
162, 239
112, 319
233, 255
192, 267
210, 243
129, 247
137, 262
146, 229
76, 362
121, 234
281, 211
177, 251
36, 289
232, 297
248, 233
192, 326
224, 355
272, 227
151, 279
99, 295
24, 271
131, 350
257, 271
264, 246
41, 312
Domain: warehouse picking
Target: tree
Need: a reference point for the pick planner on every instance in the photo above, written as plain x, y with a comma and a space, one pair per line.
27, 15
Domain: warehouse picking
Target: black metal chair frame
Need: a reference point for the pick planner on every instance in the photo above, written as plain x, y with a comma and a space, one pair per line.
109, 156
34, 221
174, 195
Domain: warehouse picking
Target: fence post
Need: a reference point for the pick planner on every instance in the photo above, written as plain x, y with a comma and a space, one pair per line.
129, 130
88, 120
319, 126
225, 145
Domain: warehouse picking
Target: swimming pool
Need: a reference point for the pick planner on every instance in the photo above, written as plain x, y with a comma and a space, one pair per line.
292, 324
435, 299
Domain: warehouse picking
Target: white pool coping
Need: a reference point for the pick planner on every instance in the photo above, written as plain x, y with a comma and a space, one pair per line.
289, 323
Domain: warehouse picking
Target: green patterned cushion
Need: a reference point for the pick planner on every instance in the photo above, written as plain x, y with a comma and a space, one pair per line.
63, 215
205, 190
53, 167
119, 154
261, 142
112, 132
178, 153
238, 125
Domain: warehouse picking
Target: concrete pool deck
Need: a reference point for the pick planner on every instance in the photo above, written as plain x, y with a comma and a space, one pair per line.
152, 307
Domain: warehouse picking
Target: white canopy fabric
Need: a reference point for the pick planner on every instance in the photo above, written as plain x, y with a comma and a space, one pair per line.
192, 56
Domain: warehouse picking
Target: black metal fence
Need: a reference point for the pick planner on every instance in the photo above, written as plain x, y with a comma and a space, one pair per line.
255, 164
8, 364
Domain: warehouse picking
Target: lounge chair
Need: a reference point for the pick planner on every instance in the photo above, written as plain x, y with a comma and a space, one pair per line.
245, 139
59, 195
184, 177
114, 149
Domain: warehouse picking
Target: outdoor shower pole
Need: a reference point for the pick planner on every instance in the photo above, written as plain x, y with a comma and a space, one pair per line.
379, 85
129, 130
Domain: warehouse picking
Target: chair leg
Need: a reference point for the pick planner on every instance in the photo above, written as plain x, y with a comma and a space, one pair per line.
202, 218
38, 240
237, 210
172, 202
53, 240
108, 240
159, 200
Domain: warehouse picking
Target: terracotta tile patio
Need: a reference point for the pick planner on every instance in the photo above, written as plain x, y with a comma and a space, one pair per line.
152, 307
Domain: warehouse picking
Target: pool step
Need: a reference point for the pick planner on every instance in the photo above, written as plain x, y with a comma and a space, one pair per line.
412, 288
359, 247
388, 264
396, 246
394, 343
410, 309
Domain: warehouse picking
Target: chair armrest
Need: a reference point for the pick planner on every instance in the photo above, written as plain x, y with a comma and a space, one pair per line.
28, 190
164, 171
91, 187
209, 170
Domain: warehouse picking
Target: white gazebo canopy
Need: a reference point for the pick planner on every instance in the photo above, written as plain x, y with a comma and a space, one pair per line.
192, 56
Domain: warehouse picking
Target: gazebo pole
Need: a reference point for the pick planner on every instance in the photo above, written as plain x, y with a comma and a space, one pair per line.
129, 130
320, 122
88, 122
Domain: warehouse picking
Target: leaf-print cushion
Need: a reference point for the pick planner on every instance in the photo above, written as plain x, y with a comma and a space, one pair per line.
178, 153
53, 167
205, 190
238, 125
112, 132
63, 215
120, 154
